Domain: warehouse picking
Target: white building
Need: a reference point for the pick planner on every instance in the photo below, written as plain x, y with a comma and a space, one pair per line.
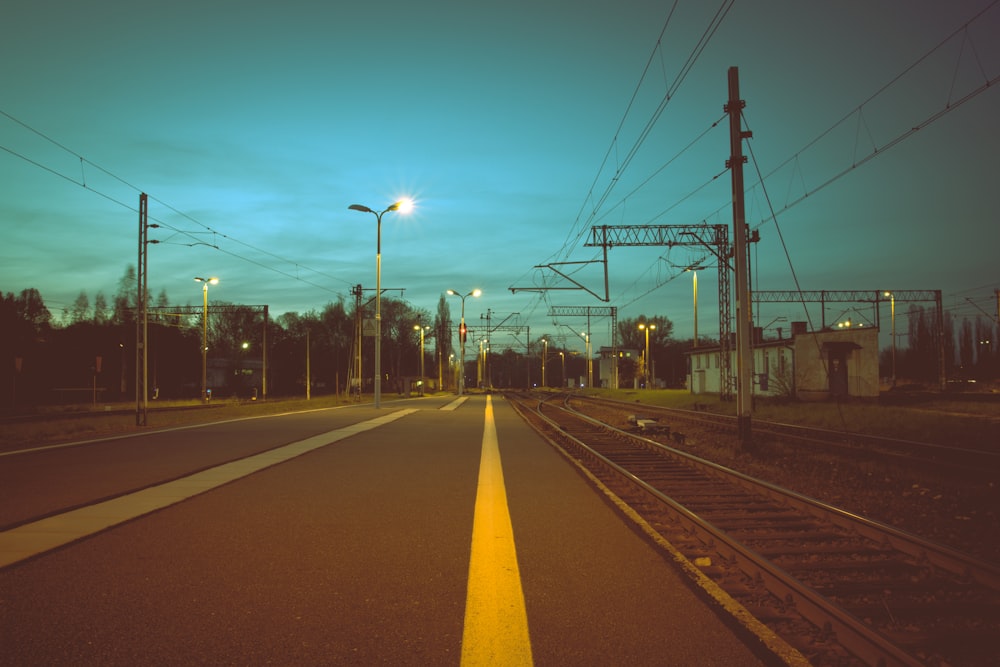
839, 363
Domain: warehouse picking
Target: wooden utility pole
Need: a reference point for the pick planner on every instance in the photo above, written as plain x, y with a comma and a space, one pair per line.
744, 329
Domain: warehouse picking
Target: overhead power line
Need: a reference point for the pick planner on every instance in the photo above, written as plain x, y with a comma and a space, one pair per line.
82, 182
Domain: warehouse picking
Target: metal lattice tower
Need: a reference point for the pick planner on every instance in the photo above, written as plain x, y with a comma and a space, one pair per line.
594, 311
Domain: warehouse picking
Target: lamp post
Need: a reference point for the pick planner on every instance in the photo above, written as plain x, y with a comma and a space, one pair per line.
590, 361
205, 282
419, 328
562, 358
892, 315
646, 328
694, 274
545, 354
404, 206
461, 336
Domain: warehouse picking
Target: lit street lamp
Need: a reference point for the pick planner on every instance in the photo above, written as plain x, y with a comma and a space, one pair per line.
403, 206
590, 361
421, 329
461, 336
694, 269
545, 354
892, 312
648, 363
205, 282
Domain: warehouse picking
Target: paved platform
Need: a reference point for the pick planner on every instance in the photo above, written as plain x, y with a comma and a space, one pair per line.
432, 532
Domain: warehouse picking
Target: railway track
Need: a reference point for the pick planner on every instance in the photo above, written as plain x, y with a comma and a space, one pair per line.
840, 588
977, 461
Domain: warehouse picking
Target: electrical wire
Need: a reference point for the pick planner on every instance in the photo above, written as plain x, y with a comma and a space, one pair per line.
162, 223
579, 228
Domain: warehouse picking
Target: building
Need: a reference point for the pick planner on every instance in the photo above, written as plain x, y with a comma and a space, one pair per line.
832, 363
610, 366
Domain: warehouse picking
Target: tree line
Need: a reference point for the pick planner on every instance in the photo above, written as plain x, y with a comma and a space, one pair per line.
89, 352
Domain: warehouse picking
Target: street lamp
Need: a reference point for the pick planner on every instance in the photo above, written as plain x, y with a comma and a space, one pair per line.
205, 282
562, 358
892, 312
403, 206
421, 329
646, 328
694, 269
545, 354
590, 361
461, 336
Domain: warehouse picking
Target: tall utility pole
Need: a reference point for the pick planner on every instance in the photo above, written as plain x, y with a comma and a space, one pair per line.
744, 365
141, 331
487, 376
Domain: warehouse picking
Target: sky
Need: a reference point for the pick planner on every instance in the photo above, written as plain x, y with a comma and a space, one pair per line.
515, 128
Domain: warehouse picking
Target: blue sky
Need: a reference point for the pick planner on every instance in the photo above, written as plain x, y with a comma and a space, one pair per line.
253, 126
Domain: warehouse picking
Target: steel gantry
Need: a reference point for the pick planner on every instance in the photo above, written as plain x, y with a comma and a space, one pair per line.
594, 311
714, 238
163, 313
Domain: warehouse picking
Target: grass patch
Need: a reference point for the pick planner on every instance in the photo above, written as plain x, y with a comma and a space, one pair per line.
942, 418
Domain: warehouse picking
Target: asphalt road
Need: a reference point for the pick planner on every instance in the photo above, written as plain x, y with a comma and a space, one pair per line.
355, 552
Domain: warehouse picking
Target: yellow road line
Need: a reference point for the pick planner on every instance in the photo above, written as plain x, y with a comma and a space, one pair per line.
496, 623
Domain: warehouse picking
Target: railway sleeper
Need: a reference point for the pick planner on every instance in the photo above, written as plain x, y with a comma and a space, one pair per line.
887, 567
930, 601
711, 497
892, 613
762, 518
794, 548
765, 536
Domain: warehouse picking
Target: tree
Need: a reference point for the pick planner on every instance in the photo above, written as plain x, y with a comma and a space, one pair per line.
442, 336
100, 309
660, 330
125, 298
966, 345
336, 327
80, 310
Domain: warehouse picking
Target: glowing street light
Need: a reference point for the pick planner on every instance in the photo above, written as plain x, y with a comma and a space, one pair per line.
461, 336
590, 360
403, 206
205, 282
421, 329
892, 311
545, 354
694, 269
649, 377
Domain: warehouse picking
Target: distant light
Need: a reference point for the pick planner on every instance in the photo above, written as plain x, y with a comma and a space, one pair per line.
404, 205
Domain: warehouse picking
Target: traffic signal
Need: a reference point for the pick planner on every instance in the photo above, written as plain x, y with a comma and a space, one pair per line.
462, 331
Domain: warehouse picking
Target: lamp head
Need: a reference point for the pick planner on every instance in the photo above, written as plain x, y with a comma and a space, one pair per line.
359, 207
404, 205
